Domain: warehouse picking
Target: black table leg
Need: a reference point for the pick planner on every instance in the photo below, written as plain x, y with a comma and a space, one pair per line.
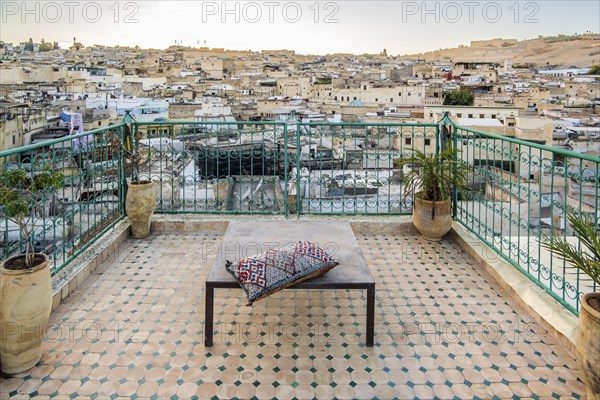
208, 315
370, 315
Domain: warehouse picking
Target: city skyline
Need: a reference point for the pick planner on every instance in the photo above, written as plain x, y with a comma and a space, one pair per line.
307, 27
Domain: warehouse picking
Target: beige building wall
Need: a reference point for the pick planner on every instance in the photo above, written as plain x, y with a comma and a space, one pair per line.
436, 112
17, 132
582, 90
369, 95
264, 107
213, 68
34, 73
299, 86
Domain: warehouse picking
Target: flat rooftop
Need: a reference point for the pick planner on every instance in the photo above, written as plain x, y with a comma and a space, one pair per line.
443, 329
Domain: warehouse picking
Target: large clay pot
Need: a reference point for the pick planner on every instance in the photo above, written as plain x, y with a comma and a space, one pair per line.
25, 306
139, 205
432, 219
588, 342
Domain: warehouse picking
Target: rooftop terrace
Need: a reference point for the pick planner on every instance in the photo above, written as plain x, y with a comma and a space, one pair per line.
486, 313
444, 328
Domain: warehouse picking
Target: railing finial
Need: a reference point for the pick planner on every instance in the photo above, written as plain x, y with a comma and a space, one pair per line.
128, 118
445, 119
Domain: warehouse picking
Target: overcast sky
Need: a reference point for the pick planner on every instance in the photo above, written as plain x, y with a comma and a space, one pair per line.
309, 27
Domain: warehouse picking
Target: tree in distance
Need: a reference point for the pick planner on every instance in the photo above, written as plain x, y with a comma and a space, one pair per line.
459, 97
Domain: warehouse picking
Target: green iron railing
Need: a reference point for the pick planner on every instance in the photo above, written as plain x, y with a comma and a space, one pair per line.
276, 167
89, 202
517, 192
215, 167
352, 168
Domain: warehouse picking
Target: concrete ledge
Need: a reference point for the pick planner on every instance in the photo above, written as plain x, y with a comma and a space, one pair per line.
548, 312
403, 225
75, 273
218, 223
176, 223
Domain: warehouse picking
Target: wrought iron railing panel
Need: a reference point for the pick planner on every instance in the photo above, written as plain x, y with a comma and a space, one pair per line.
517, 197
353, 168
215, 167
90, 200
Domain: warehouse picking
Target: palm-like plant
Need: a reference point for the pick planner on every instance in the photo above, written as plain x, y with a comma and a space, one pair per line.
19, 195
434, 175
585, 259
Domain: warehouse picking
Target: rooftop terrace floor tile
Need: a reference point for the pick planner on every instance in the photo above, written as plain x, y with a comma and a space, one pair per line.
443, 329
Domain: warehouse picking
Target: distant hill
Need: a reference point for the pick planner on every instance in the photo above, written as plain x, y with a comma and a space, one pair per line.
559, 51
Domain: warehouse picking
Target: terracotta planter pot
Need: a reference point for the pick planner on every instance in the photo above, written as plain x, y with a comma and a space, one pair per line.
432, 219
588, 342
25, 306
139, 205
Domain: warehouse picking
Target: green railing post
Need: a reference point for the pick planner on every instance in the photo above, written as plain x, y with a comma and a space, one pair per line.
298, 158
122, 173
286, 172
446, 129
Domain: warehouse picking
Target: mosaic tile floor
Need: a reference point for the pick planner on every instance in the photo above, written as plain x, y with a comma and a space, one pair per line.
135, 330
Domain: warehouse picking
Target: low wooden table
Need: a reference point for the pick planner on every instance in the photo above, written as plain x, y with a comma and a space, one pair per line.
248, 238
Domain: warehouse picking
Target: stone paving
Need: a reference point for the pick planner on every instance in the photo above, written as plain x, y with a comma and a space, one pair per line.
443, 330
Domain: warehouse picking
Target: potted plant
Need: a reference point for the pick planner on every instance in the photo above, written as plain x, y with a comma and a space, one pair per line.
430, 182
25, 283
585, 259
140, 200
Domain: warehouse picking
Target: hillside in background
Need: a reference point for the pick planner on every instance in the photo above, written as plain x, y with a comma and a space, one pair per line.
556, 51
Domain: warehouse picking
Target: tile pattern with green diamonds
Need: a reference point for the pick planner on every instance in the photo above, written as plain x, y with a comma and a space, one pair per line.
135, 330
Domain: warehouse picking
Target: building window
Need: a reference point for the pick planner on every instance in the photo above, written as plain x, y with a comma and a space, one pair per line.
335, 98
376, 99
470, 115
493, 115
459, 115
354, 97
14, 139
99, 123
391, 99
481, 115
427, 142
511, 124
407, 141
364, 87
399, 93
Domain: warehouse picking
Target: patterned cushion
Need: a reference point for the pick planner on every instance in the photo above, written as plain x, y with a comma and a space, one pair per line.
277, 269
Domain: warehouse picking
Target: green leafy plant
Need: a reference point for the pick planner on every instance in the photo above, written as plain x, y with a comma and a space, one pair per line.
19, 194
434, 175
459, 97
585, 258
595, 70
